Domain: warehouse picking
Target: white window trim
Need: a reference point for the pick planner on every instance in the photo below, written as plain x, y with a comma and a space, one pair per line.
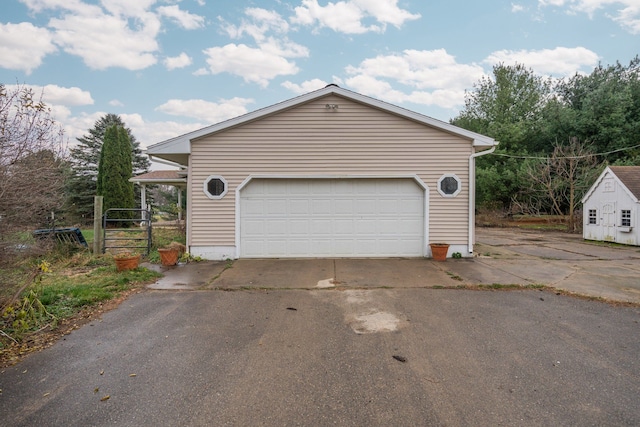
622, 217
449, 175
205, 186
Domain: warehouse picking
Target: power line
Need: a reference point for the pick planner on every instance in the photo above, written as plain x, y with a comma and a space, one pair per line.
569, 157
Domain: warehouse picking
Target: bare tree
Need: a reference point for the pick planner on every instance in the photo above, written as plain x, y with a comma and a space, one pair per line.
563, 178
32, 153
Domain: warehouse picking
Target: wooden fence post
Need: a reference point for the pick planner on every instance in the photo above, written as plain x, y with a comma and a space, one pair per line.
97, 225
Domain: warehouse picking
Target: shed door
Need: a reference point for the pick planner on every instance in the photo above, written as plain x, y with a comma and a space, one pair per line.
609, 222
332, 218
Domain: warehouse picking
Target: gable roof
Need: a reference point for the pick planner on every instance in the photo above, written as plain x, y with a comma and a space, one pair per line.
628, 176
177, 149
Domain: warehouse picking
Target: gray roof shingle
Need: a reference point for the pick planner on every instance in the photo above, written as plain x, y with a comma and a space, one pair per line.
630, 177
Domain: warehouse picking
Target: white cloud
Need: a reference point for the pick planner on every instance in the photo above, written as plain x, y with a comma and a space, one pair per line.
253, 65
23, 46
75, 126
57, 95
127, 7
348, 16
118, 33
629, 18
76, 6
186, 20
149, 133
108, 41
116, 103
260, 22
70, 96
210, 112
515, 8
180, 61
627, 12
432, 77
271, 57
304, 87
558, 62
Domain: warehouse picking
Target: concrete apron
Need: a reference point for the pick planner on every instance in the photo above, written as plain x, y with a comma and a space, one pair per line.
306, 274
612, 280
503, 257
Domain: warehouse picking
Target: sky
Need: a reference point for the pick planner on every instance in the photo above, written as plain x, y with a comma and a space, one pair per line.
168, 67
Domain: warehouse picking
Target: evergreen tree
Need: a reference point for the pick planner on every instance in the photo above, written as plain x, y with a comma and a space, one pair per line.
115, 169
85, 157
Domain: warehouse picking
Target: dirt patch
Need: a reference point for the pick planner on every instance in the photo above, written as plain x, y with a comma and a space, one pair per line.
537, 222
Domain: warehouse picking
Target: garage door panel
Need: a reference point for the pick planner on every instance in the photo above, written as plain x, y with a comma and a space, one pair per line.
299, 227
276, 207
322, 247
298, 246
276, 227
343, 206
320, 207
254, 227
343, 226
331, 217
299, 207
366, 206
298, 188
367, 227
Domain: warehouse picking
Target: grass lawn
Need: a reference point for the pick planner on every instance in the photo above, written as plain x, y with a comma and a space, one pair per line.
41, 291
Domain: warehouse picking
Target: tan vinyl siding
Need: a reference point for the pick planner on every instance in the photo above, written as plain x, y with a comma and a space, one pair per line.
311, 140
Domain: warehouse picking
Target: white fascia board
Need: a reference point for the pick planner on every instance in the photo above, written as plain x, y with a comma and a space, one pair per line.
182, 144
178, 145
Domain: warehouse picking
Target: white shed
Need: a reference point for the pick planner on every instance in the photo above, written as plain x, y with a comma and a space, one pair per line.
611, 206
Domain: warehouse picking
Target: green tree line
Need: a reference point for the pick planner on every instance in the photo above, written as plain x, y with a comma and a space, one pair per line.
555, 136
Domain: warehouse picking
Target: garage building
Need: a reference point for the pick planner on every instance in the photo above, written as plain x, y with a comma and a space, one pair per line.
331, 173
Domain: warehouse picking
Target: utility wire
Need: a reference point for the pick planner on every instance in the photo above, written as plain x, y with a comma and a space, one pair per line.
569, 157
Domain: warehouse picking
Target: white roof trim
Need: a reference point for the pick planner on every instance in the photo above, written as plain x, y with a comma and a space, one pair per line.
182, 144
595, 185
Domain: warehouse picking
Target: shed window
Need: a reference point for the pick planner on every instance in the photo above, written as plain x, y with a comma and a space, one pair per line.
449, 185
625, 218
215, 187
593, 216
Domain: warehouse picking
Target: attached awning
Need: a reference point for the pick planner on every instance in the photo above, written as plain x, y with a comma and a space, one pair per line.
175, 178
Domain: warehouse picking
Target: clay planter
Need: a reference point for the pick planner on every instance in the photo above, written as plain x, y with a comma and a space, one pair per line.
439, 251
168, 256
124, 263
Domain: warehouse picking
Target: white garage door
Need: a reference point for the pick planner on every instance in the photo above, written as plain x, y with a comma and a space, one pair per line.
331, 218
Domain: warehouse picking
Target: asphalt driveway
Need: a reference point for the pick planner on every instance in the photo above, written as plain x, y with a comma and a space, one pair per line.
337, 357
345, 344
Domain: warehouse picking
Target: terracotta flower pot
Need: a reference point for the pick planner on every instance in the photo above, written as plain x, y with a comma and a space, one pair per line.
168, 256
124, 263
439, 251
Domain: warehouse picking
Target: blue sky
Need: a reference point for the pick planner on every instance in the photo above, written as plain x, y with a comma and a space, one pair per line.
168, 67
